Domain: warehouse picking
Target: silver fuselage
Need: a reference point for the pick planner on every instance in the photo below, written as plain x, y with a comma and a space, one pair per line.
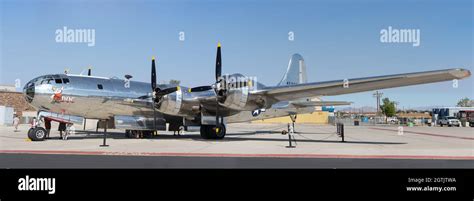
103, 98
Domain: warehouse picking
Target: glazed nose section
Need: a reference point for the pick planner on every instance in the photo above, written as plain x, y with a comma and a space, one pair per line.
29, 91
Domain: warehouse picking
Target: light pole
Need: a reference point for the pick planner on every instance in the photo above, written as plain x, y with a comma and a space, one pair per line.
378, 95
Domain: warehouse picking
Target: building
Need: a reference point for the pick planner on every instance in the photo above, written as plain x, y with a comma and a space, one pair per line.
450, 111
317, 117
417, 118
464, 114
9, 97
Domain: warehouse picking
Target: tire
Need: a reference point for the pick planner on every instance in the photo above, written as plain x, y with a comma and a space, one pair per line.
205, 132
216, 135
219, 135
147, 134
38, 134
127, 134
30, 131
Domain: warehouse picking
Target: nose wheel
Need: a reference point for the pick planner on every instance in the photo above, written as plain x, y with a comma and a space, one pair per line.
213, 131
37, 134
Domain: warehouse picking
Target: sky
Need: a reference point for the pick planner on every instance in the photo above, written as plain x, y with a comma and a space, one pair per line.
338, 40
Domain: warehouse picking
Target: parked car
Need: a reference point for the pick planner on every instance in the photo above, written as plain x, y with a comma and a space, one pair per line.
449, 121
392, 120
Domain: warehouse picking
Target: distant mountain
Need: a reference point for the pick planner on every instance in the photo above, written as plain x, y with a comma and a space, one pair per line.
357, 109
373, 109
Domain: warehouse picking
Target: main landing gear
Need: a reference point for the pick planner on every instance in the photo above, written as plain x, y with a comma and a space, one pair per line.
139, 133
213, 131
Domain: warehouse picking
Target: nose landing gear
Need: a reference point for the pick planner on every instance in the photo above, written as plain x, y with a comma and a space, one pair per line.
37, 134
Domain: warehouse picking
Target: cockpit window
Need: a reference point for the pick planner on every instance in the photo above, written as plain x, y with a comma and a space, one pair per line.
37, 81
66, 80
47, 79
58, 81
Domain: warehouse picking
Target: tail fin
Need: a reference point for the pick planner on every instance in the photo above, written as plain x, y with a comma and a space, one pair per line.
296, 72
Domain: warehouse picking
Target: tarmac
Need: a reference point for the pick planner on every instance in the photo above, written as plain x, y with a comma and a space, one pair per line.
247, 145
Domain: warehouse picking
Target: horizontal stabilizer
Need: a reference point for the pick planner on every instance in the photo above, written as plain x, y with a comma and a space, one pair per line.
320, 103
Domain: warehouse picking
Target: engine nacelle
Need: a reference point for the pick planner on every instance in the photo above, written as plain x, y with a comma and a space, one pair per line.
236, 95
171, 103
236, 98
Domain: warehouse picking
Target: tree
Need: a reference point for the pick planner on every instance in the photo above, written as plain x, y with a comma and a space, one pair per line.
174, 82
388, 107
465, 102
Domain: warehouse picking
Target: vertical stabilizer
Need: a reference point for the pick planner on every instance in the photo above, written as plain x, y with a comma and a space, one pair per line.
296, 72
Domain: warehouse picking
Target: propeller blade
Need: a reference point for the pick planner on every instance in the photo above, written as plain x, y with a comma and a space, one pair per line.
200, 88
153, 74
218, 78
218, 62
167, 91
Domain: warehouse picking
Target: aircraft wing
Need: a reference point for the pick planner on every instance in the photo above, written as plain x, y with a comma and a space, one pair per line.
329, 88
320, 103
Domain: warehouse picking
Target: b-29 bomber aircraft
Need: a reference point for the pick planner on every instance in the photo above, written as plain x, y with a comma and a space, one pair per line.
143, 108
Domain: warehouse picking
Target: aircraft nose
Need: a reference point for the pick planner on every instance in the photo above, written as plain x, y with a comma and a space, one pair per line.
29, 91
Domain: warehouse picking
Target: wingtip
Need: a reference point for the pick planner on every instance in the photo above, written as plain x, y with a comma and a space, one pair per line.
461, 73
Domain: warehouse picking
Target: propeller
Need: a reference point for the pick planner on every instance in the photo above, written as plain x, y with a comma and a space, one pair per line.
218, 80
218, 72
153, 88
216, 86
158, 93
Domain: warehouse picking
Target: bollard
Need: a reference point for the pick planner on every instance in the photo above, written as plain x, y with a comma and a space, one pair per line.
342, 132
290, 132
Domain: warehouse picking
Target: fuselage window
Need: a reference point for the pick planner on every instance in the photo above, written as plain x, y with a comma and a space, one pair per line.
100, 86
58, 81
66, 80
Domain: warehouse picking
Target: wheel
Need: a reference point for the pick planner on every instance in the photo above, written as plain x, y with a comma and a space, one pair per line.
127, 134
218, 132
37, 134
147, 134
205, 132
30, 131
135, 134
213, 132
